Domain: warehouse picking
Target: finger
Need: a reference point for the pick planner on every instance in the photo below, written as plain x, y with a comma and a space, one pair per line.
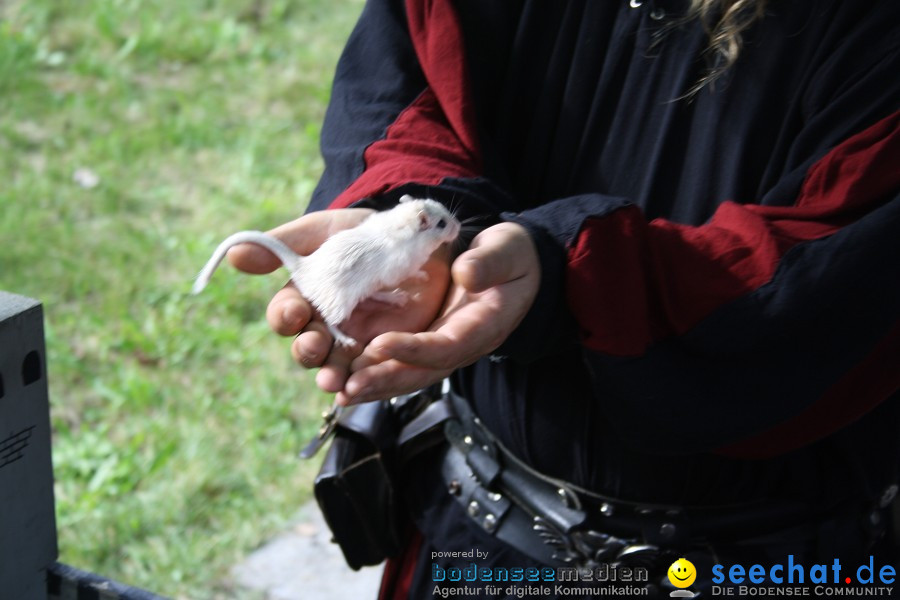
495, 257
386, 380
336, 370
288, 312
429, 350
371, 355
312, 346
303, 235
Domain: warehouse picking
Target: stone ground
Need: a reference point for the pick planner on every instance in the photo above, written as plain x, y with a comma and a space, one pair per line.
302, 564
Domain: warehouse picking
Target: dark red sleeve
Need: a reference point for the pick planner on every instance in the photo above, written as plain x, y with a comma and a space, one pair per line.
401, 118
760, 331
631, 283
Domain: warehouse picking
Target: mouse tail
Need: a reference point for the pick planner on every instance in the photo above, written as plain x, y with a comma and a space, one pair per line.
288, 257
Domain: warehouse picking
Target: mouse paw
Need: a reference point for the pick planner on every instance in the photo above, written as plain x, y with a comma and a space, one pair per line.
392, 297
341, 338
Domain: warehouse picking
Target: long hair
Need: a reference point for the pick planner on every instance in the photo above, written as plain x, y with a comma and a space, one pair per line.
725, 22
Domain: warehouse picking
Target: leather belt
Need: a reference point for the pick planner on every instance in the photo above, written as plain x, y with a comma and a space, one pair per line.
560, 524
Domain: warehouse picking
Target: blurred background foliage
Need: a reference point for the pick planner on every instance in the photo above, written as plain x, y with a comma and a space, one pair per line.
135, 135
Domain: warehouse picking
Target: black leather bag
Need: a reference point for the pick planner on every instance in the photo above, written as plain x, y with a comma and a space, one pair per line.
355, 487
358, 487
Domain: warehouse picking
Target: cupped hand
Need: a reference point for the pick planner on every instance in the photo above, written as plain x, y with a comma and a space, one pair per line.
494, 284
290, 314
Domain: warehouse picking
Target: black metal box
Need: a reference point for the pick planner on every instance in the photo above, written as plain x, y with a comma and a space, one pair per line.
27, 521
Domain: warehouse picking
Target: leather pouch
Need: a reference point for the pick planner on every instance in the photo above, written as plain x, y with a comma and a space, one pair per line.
355, 488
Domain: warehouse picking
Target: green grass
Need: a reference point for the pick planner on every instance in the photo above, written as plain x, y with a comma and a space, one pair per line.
177, 419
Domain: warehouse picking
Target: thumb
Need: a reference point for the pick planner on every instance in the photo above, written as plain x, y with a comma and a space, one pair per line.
497, 255
303, 236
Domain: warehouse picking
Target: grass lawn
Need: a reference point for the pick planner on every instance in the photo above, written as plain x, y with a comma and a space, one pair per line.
135, 135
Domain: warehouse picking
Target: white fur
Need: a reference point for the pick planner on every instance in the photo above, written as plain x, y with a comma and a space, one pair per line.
368, 260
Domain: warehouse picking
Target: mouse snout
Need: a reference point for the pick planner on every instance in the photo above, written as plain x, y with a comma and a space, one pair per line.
448, 228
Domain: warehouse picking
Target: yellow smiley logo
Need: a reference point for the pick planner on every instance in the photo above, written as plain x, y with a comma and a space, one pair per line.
682, 573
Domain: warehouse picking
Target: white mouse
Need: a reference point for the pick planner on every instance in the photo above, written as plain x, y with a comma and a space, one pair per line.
366, 261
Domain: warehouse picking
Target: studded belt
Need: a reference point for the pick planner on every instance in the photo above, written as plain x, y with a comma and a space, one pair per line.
560, 524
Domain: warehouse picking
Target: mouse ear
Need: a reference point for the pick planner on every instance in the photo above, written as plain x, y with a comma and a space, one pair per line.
423, 221
406, 198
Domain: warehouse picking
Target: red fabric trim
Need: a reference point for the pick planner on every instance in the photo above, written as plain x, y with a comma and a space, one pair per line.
438, 39
630, 283
436, 136
856, 393
398, 572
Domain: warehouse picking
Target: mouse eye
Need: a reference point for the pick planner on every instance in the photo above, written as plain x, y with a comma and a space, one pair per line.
441, 224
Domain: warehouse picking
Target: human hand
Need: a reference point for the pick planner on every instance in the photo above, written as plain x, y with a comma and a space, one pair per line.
289, 313
494, 284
